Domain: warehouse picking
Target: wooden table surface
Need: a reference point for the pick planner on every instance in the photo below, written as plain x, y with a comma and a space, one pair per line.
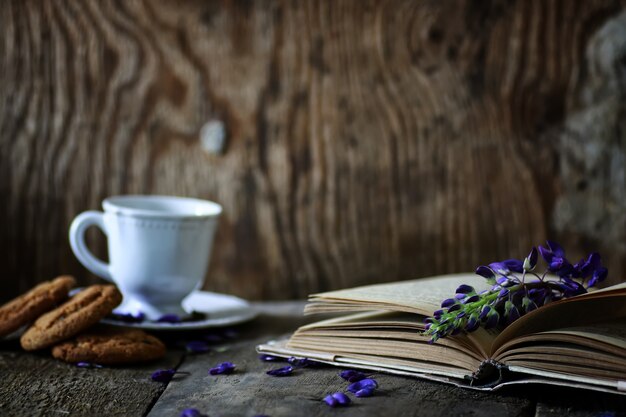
37, 385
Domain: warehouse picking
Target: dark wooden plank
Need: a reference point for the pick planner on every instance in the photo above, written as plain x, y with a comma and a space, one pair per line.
557, 401
38, 385
367, 140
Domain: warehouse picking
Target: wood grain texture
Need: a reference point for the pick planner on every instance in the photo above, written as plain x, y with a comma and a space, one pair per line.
38, 385
368, 141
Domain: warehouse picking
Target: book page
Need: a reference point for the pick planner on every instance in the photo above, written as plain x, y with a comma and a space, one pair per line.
594, 351
611, 333
421, 296
563, 352
581, 311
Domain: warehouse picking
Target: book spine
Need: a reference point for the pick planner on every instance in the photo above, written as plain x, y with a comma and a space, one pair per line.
489, 374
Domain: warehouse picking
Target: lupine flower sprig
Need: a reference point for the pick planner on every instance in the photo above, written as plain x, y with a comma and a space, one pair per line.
512, 295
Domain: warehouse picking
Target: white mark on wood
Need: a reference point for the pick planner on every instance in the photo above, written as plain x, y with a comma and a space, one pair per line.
213, 137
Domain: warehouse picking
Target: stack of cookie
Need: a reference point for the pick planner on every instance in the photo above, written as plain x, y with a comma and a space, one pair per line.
70, 326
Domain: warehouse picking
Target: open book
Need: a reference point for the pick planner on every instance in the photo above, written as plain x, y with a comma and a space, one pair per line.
579, 342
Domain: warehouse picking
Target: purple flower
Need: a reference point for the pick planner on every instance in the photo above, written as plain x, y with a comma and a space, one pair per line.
224, 368
514, 295
163, 375
365, 392
351, 375
337, 399
472, 324
485, 272
592, 264
169, 318
471, 299
269, 358
454, 308
192, 412
507, 266
465, 289
448, 302
513, 315
364, 383
197, 346
531, 260
284, 371
554, 255
492, 320
598, 276
129, 317
553, 250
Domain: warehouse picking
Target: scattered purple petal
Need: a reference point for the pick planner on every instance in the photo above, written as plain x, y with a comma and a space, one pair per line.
351, 375
88, 365
197, 346
341, 398
192, 412
337, 399
365, 392
163, 375
169, 318
129, 317
223, 369
364, 383
331, 401
284, 371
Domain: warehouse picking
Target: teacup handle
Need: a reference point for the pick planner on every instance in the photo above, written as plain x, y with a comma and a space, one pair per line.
77, 241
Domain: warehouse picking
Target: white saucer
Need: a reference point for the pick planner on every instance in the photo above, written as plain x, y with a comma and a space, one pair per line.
220, 309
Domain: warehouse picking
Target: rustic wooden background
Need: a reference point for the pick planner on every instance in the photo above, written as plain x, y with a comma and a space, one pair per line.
367, 141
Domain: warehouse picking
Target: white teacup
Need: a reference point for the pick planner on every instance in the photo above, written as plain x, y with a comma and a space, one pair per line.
159, 249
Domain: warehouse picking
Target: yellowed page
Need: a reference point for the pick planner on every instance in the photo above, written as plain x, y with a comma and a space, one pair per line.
393, 349
421, 296
561, 349
613, 333
563, 314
